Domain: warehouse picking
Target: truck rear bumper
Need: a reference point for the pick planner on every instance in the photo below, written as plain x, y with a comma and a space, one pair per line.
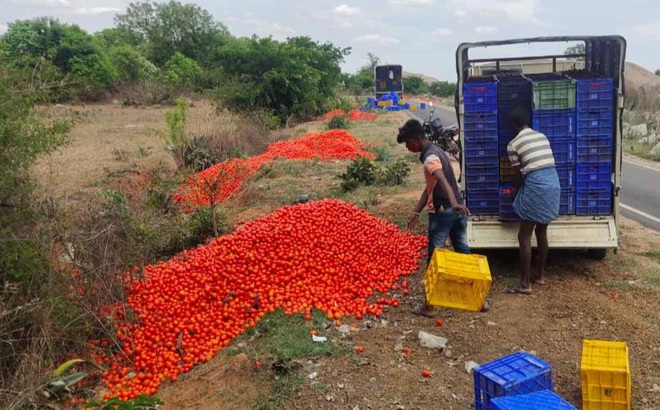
568, 232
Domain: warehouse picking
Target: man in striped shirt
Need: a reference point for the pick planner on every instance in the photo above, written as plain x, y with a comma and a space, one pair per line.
538, 194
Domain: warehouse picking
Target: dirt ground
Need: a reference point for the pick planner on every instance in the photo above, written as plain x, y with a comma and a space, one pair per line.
614, 299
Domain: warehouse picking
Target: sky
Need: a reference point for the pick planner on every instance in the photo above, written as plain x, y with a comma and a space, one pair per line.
421, 35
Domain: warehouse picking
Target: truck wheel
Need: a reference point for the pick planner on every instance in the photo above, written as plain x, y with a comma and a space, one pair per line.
597, 254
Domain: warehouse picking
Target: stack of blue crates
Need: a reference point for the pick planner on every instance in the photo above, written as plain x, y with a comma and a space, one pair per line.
513, 92
555, 117
481, 147
595, 103
516, 374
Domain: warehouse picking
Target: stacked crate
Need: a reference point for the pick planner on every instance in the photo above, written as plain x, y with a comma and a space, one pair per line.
554, 115
513, 92
481, 147
595, 103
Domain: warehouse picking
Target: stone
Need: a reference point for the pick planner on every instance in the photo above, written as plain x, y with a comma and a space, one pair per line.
655, 151
640, 130
650, 140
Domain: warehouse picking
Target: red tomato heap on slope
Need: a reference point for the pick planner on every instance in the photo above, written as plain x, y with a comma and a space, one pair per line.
222, 180
326, 255
353, 115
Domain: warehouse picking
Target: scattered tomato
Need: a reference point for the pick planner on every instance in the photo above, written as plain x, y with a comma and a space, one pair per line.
407, 352
438, 322
406, 292
426, 373
313, 332
258, 364
615, 296
337, 323
360, 349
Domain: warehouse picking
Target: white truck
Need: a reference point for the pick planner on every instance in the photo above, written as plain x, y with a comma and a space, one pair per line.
603, 55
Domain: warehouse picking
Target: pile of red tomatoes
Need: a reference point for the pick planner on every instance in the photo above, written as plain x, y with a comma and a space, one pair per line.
218, 182
326, 255
353, 115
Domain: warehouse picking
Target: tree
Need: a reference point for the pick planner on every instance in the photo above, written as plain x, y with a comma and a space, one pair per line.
116, 36
182, 71
297, 77
131, 66
173, 27
373, 61
657, 72
66, 53
414, 85
442, 88
576, 49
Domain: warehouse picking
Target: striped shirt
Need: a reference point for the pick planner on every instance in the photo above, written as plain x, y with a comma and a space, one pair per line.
530, 150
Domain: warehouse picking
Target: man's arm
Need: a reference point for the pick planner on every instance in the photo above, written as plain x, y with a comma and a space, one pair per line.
449, 192
517, 177
423, 199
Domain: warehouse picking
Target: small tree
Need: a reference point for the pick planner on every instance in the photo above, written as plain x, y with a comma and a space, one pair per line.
175, 136
414, 85
182, 72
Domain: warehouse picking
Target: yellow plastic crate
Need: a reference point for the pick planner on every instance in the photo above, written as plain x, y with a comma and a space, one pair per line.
605, 374
402, 102
413, 108
456, 280
385, 103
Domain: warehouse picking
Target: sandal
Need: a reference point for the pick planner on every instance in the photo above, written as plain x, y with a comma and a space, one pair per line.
519, 291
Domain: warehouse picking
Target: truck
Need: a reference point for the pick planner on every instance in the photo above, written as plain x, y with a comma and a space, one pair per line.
388, 79
594, 229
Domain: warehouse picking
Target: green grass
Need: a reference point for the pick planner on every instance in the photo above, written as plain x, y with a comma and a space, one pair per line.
635, 147
284, 341
653, 255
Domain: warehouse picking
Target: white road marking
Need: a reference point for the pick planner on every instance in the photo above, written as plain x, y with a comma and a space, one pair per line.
638, 212
641, 165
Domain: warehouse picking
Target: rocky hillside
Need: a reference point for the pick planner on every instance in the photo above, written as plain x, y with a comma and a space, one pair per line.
426, 78
641, 83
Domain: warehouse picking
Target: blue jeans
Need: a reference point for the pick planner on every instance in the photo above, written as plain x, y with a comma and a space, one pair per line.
447, 224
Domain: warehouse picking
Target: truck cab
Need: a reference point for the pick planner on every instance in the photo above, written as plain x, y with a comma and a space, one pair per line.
595, 229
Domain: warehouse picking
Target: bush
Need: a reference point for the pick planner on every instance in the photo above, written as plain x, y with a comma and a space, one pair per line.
381, 152
361, 171
341, 122
365, 172
395, 173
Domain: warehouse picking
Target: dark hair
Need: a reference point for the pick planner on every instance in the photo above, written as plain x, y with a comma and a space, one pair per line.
519, 118
411, 129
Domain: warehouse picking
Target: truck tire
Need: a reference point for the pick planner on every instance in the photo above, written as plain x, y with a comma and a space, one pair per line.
597, 254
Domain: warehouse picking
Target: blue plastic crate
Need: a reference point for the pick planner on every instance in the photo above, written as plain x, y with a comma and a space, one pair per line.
567, 202
481, 153
484, 202
563, 150
392, 108
566, 175
422, 106
595, 95
506, 204
515, 374
594, 202
480, 126
554, 123
480, 98
594, 176
594, 149
482, 182
541, 400
597, 123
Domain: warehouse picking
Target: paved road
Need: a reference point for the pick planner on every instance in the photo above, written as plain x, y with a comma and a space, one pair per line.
640, 197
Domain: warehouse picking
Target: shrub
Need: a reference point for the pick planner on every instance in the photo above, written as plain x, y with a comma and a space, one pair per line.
381, 152
361, 171
395, 173
338, 122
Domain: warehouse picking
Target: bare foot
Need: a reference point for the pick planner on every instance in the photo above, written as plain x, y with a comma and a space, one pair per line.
539, 281
519, 290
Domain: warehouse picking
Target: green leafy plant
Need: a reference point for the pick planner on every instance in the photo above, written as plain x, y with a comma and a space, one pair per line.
62, 381
381, 152
394, 173
175, 135
141, 402
341, 122
361, 171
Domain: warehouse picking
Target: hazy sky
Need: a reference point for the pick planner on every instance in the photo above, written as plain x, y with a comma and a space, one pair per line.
422, 35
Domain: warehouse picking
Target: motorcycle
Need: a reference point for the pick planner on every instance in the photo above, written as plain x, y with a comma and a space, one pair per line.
445, 137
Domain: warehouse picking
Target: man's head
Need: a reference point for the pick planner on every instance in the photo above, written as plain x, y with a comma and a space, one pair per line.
519, 119
412, 134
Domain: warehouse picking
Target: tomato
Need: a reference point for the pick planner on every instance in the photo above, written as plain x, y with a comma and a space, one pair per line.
426, 373
438, 322
319, 255
407, 352
360, 349
258, 364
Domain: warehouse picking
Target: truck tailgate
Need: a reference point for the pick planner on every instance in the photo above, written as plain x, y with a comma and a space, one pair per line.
566, 232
